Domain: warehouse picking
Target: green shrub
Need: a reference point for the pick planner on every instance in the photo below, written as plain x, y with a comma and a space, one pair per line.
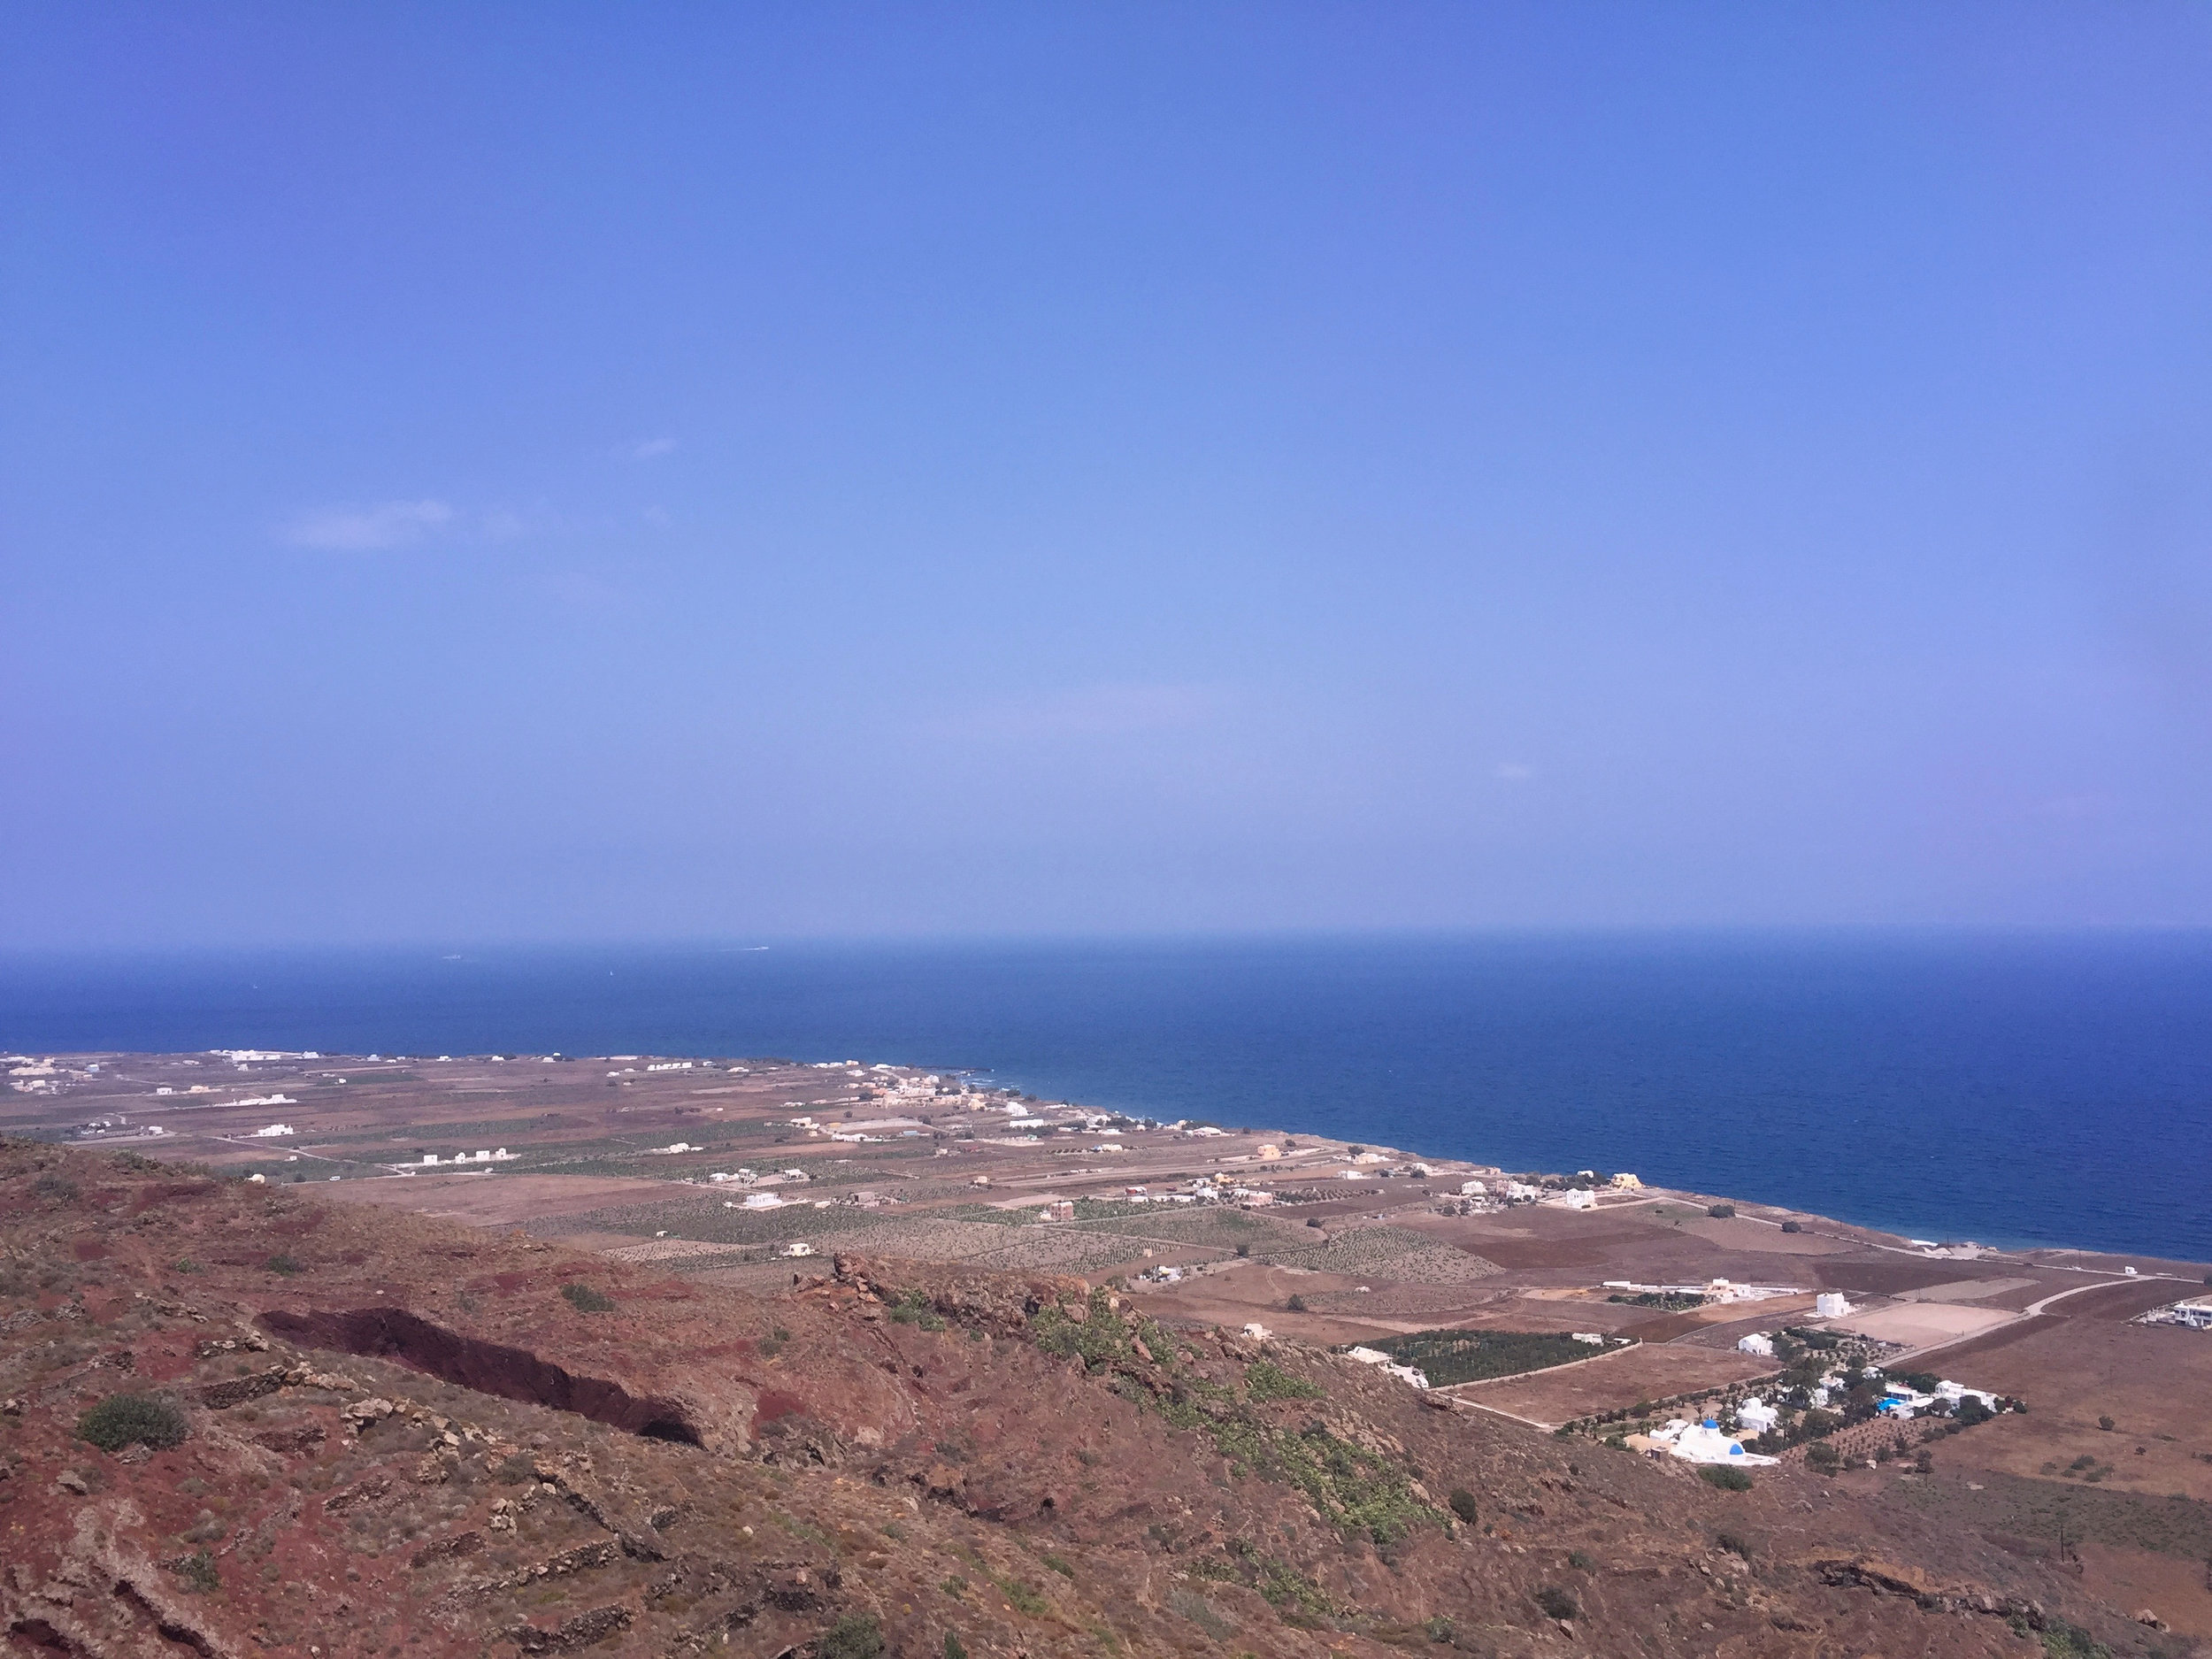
1726, 1479
855, 1636
1579, 1560
1721, 1212
1734, 1543
584, 1299
1269, 1381
130, 1419
2061, 1641
1297, 1304
1792, 1227
1462, 1503
56, 1186
1058, 1564
285, 1266
954, 1648
198, 1572
1556, 1602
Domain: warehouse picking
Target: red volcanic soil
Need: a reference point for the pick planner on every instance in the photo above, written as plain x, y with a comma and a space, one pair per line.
363, 1432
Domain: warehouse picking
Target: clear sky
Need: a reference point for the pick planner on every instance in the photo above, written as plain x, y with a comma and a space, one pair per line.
655, 471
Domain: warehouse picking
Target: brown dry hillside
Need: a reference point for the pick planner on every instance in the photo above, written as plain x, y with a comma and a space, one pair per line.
373, 1433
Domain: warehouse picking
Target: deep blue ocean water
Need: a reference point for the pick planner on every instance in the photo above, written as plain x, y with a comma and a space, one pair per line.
2012, 1088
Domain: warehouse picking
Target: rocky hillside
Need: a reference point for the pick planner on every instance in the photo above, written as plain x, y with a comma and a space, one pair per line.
238, 1420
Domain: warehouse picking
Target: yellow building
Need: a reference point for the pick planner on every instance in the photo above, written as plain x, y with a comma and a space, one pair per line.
1626, 1182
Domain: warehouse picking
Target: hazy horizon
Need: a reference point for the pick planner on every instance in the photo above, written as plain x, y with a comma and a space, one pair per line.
578, 477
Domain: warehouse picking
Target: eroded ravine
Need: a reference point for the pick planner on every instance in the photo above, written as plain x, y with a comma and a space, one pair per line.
492, 1368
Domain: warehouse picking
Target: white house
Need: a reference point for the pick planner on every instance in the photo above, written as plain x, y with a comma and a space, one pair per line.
1758, 1342
1829, 1304
1411, 1374
1957, 1393
1755, 1416
1704, 1443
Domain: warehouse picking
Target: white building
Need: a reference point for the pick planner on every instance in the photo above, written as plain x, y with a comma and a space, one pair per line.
1704, 1443
1955, 1393
1411, 1374
1755, 1416
1758, 1342
1829, 1304
272, 1131
1473, 1189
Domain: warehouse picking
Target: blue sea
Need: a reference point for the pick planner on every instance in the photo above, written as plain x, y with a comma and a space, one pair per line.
2047, 1088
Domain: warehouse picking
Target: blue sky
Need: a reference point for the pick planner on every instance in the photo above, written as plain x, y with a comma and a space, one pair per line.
565, 471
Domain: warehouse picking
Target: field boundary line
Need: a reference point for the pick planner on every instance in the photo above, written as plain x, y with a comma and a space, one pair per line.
1540, 1371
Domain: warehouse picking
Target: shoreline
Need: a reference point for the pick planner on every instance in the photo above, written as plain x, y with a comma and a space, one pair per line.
2019, 1093
1995, 1246
2145, 1263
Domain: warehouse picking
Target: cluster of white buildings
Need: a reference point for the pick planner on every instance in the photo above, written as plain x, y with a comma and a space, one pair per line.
483, 1156
1412, 1374
1702, 1443
1902, 1401
2194, 1316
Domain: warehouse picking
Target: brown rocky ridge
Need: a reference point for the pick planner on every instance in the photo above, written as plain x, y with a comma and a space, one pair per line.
344, 1430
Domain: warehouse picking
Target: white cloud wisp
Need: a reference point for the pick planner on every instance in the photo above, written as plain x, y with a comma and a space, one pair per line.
367, 529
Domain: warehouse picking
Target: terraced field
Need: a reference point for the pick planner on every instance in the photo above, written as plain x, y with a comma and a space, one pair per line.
1388, 1253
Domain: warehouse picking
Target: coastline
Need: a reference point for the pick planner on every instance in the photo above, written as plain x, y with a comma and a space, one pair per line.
2034, 1091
